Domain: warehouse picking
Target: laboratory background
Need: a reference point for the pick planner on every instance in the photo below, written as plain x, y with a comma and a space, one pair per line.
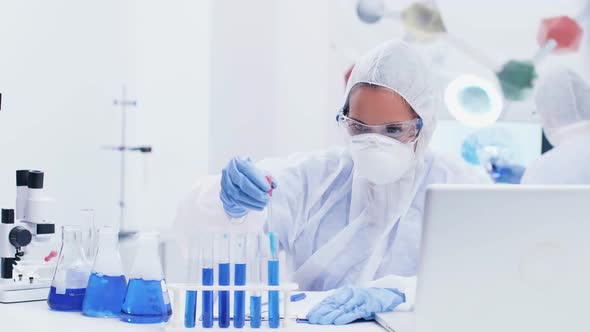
202, 82
124, 104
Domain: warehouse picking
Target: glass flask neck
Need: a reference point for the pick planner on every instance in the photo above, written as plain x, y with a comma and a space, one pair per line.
71, 237
108, 259
147, 263
107, 237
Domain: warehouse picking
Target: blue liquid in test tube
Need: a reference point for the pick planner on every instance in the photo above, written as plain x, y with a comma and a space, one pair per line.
207, 298
194, 264
255, 262
207, 280
240, 296
190, 313
222, 252
255, 311
273, 296
224, 295
239, 258
273, 280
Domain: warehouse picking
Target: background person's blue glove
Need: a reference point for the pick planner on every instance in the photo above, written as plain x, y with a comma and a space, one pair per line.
348, 304
243, 187
507, 173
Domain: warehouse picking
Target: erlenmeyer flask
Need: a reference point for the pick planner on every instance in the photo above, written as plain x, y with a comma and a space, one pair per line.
71, 273
147, 299
107, 285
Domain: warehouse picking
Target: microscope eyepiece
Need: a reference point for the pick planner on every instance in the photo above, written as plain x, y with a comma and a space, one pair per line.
7, 216
22, 178
35, 180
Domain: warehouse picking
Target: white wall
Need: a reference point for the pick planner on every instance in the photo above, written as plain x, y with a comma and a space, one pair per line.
171, 52
63, 62
244, 78
271, 79
60, 66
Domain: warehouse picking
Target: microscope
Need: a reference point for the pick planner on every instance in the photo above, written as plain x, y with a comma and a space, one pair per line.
27, 249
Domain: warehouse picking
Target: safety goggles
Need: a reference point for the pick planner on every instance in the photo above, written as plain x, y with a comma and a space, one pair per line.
404, 131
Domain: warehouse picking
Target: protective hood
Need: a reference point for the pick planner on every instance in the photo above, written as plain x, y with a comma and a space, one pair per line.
563, 103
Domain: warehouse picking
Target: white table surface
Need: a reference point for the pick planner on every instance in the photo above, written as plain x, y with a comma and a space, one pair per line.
36, 317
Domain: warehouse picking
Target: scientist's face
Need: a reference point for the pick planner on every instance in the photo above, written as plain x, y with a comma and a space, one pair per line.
376, 106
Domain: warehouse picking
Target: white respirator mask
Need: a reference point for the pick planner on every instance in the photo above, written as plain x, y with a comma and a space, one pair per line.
381, 159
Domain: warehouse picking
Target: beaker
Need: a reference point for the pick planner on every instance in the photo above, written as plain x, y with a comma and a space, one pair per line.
146, 300
107, 285
71, 273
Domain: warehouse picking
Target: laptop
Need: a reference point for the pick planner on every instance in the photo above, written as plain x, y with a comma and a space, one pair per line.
502, 258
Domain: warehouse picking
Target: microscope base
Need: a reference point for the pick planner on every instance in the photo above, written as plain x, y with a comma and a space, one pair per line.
16, 294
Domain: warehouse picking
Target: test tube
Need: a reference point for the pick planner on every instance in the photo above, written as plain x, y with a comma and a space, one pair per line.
273, 280
190, 313
255, 278
222, 243
206, 246
194, 253
239, 258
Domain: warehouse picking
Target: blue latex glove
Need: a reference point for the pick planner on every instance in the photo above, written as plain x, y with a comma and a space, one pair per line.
348, 304
509, 173
243, 187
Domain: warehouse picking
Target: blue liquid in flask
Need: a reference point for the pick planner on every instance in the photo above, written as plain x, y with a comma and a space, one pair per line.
145, 303
104, 295
71, 300
190, 313
224, 295
273, 296
207, 298
255, 311
239, 296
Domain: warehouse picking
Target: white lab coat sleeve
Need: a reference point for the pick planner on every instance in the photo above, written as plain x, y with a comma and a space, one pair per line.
201, 210
532, 174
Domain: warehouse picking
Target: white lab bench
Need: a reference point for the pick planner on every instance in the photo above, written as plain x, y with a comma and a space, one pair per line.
36, 316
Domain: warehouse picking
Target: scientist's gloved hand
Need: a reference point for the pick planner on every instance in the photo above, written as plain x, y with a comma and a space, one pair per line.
348, 304
243, 187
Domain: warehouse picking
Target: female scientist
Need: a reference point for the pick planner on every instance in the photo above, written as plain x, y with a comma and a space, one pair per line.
347, 218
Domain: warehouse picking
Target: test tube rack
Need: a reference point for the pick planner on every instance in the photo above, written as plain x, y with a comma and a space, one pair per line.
178, 291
